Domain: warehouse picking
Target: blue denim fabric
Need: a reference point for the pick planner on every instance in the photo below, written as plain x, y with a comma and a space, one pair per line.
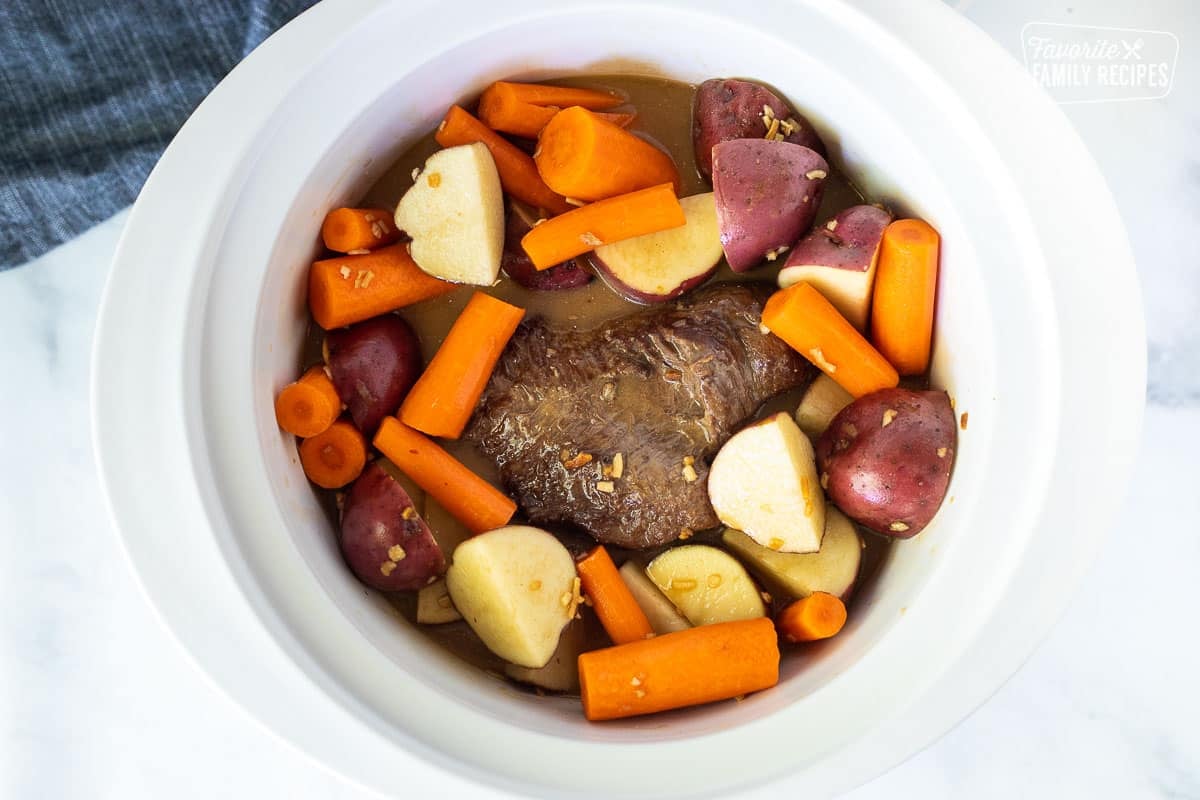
90, 94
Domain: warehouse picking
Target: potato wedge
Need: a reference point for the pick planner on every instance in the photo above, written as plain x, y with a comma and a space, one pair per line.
660, 266
454, 213
839, 260
517, 589
663, 615
764, 482
706, 584
886, 459
832, 569
434, 606
820, 404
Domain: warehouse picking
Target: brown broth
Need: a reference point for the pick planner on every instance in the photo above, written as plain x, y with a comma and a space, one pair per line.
664, 116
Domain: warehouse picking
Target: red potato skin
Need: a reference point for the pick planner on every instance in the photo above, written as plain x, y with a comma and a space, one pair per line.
645, 298
890, 478
373, 522
850, 245
727, 108
515, 262
373, 364
765, 197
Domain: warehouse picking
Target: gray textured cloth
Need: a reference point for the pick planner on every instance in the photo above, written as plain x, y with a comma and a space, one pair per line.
90, 94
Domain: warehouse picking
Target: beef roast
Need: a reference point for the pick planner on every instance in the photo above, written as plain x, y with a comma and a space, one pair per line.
611, 429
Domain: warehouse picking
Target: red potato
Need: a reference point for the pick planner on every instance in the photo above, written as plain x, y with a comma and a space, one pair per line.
516, 264
373, 365
839, 260
727, 108
767, 197
886, 459
383, 538
661, 266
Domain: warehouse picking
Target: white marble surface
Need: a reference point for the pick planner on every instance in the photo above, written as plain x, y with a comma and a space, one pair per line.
97, 701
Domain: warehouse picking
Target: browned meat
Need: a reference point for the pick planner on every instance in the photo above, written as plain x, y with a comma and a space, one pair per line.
602, 429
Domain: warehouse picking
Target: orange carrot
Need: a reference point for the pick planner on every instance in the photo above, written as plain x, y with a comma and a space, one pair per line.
905, 290
469, 498
347, 229
523, 109
518, 174
618, 611
334, 457
674, 670
604, 222
308, 406
444, 397
541, 94
803, 318
582, 156
818, 616
349, 289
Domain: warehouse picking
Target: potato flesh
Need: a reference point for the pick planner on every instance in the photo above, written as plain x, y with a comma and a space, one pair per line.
707, 585
515, 587
434, 606
832, 569
661, 612
820, 404
764, 482
454, 213
657, 264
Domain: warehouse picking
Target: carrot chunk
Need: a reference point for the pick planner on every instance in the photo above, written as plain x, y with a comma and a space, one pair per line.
518, 174
469, 498
802, 317
904, 295
349, 289
674, 670
604, 222
818, 616
619, 613
444, 397
334, 457
587, 158
347, 229
523, 109
308, 406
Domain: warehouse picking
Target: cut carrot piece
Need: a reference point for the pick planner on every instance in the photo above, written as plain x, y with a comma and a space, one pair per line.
604, 222
469, 498
444, 397
347, 229
904, 296
587, 158
619, 613
802, 317
674, 670
349, 289
541, 94
518, 174
523, 109
334, 457
818, 616
308, 406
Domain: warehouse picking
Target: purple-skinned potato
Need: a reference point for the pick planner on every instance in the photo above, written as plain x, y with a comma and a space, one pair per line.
767, 196
373, 364
384, 540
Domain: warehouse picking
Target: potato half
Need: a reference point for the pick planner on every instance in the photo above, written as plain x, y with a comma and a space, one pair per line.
764, 482
706, 584
516, 588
